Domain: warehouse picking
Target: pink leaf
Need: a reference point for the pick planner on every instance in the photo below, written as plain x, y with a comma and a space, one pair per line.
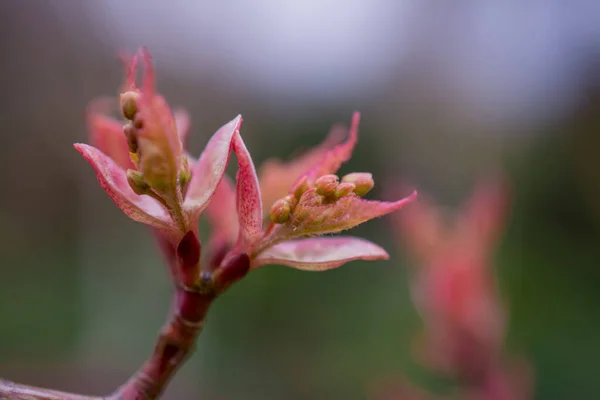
249, 205
210, 167
320, 254
149, 79
160, 127
345, 213
129, 64
114, 182
341, 153
277, 177
221, 213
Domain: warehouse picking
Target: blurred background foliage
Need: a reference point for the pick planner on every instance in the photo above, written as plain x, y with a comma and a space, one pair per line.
448, 92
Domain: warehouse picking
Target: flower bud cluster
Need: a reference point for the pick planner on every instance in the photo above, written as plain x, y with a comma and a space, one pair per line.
129, 109
327, 189
150, 154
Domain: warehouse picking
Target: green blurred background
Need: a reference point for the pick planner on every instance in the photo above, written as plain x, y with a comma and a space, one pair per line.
448, 92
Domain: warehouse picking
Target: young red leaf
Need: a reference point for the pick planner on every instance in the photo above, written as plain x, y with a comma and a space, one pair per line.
113, 180
341, 153
344, 214
276, 177
157, 136
320, 254
248, 202
210, 167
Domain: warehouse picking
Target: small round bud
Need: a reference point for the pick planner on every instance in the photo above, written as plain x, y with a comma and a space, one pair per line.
281, 210
326, 185
130, 135
344, 189
300, 187
363, 182
129, 104
311, 198
185, 175
293, 201
137, 182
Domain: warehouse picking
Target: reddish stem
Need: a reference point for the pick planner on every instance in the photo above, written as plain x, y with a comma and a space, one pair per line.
177, 338
176, 342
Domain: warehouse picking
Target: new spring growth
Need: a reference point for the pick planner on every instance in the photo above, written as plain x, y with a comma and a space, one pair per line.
129, 104
154, 145
141, 163
137, 183
362, 181
327, 189
311, 201
144, 170
326, 185
282, 208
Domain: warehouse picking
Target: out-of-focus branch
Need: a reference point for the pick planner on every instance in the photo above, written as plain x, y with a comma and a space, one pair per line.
15, 391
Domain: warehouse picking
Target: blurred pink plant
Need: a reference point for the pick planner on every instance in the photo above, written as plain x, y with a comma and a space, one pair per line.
456, 294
